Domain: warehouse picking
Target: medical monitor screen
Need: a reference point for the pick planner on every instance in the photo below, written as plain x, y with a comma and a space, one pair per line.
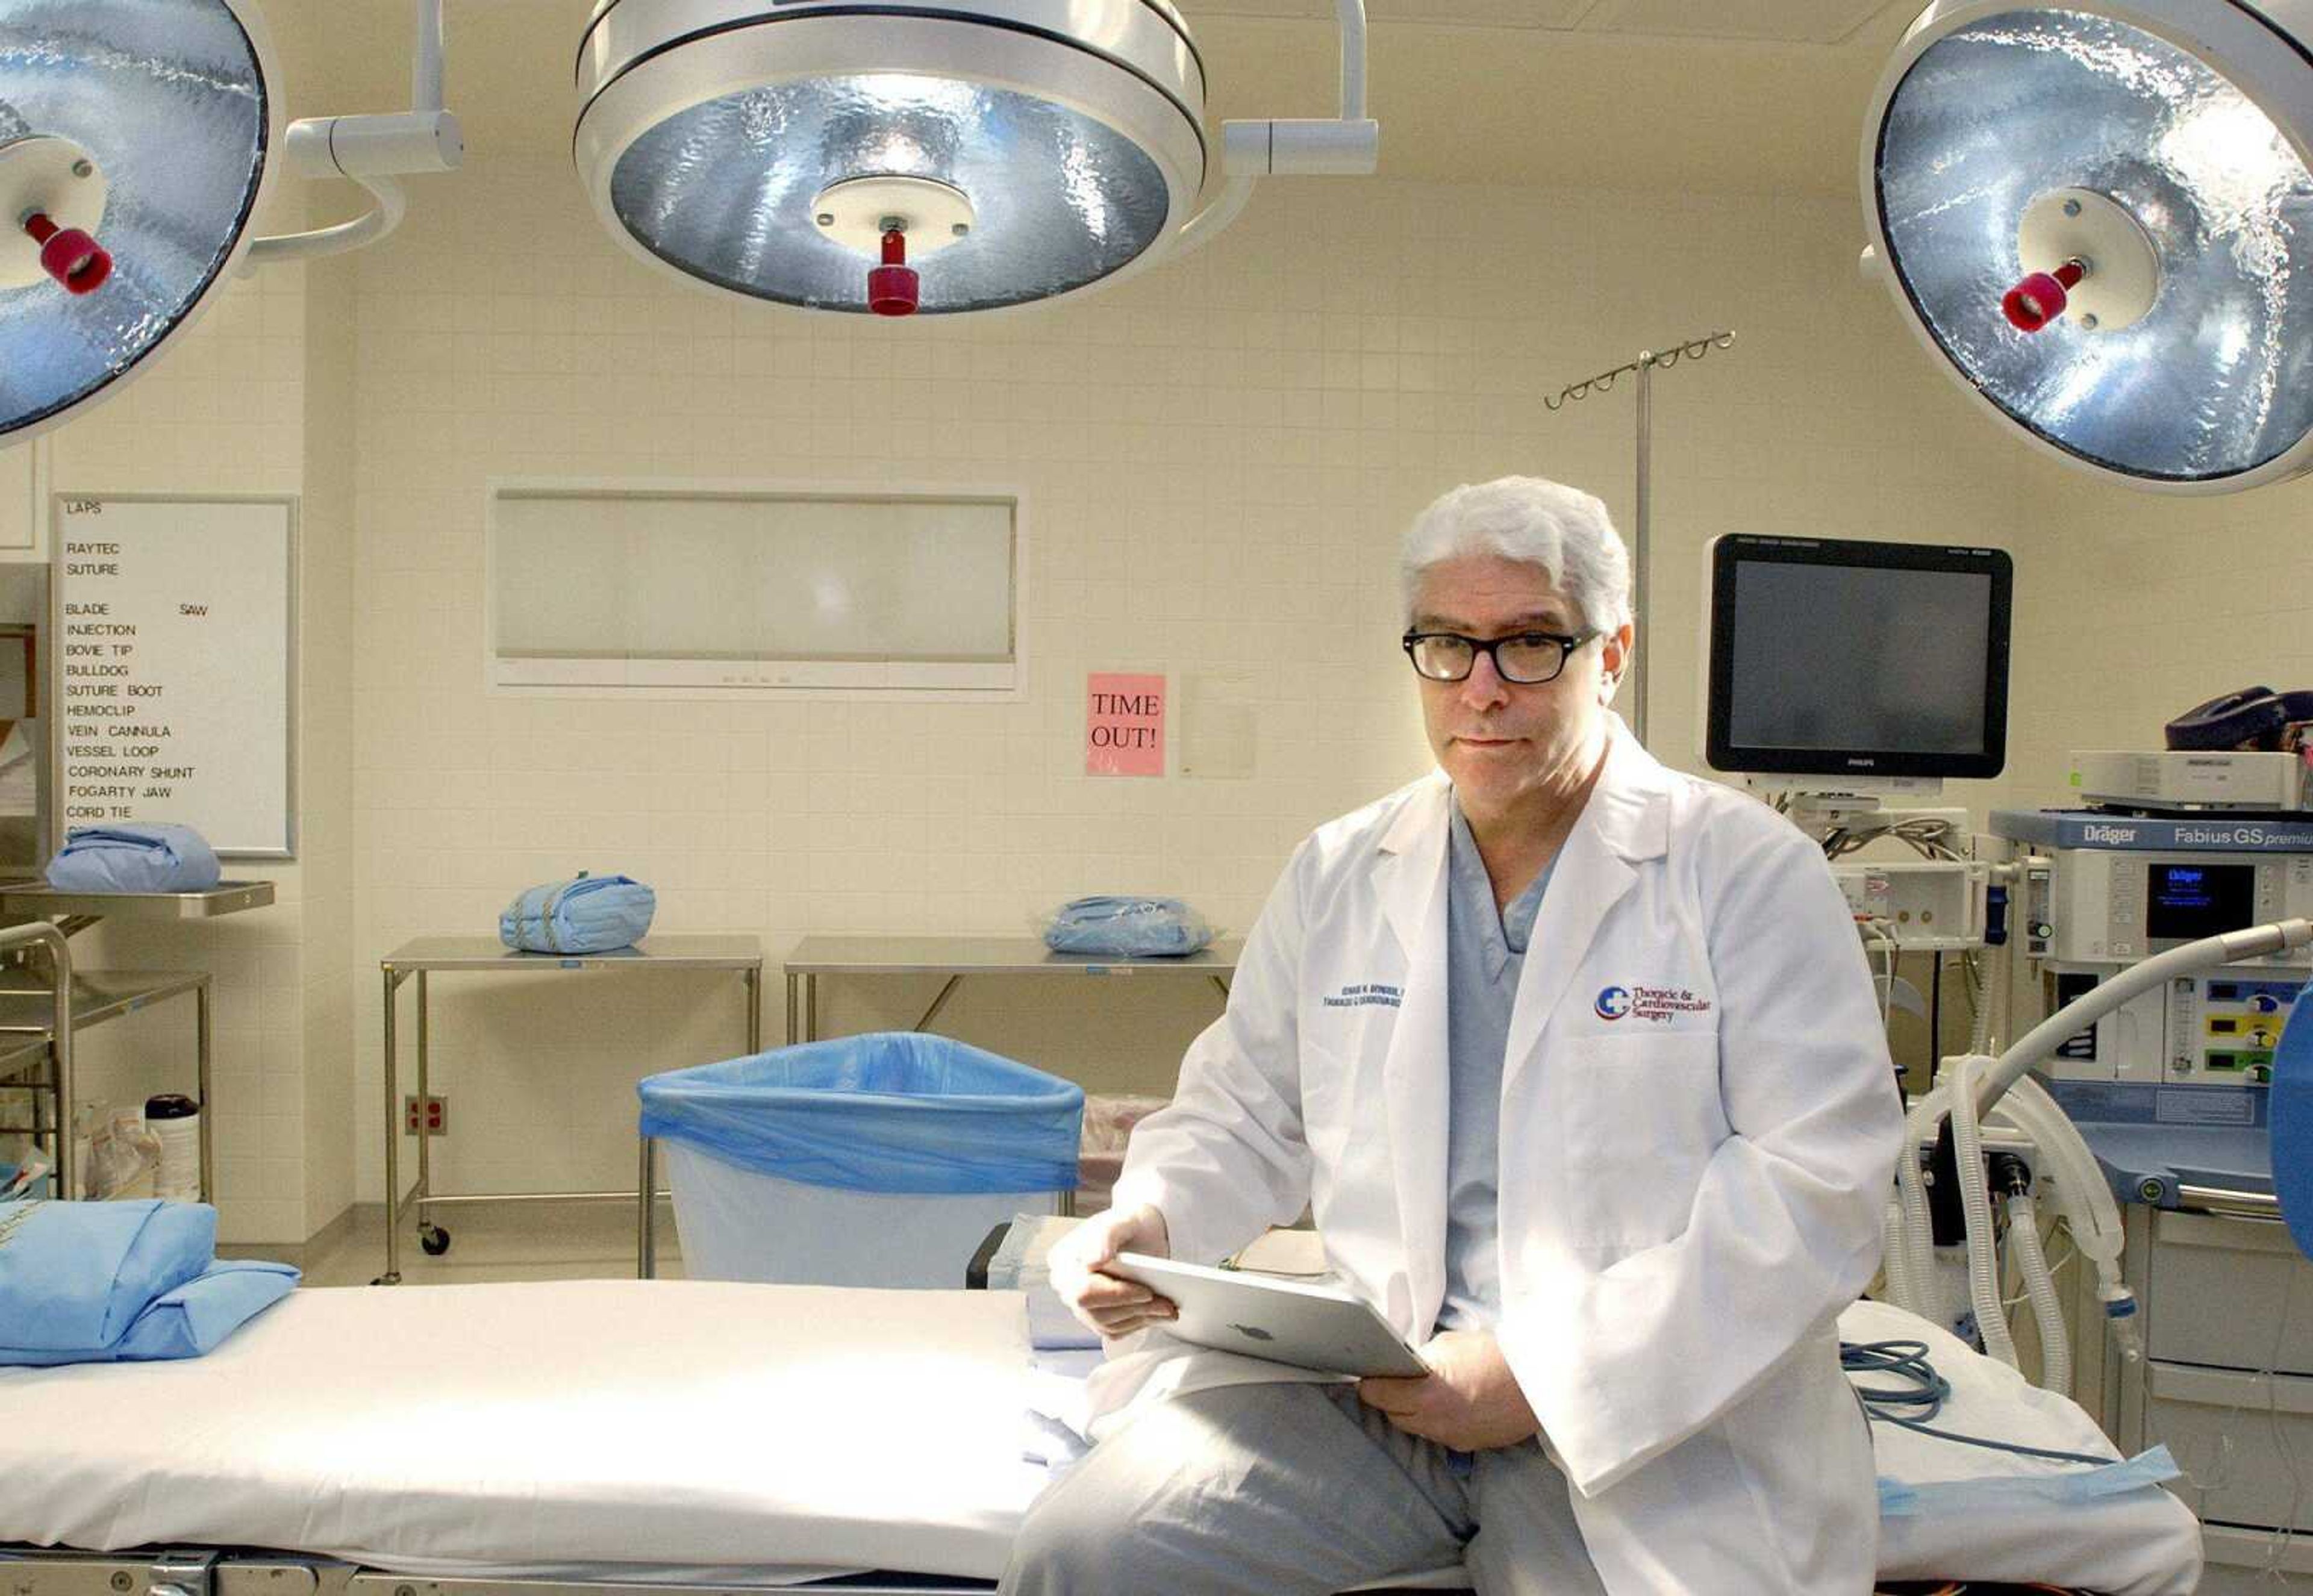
2186, 902
1832, 658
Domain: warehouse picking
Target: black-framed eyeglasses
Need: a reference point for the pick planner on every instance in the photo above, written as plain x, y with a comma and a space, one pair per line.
1524, 658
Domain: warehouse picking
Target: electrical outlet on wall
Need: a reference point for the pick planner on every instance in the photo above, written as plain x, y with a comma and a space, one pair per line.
437, 1117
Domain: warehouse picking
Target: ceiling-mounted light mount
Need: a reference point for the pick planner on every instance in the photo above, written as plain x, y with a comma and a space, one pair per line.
1054, 145
2098, 217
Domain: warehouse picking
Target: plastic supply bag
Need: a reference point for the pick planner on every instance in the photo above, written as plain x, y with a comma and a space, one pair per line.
139, 858
1108, 1125
124, 1158
588, 913
893, 1112
27, 1180
1126, 927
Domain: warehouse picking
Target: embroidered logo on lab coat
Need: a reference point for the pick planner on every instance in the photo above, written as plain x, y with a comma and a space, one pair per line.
1657, 1003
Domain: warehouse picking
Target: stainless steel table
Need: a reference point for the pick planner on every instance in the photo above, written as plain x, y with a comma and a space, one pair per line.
956, 957
27, 1022
76, 911
98, 995
485, 955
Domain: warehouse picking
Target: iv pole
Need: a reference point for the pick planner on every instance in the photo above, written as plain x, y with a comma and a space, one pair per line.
1644, 367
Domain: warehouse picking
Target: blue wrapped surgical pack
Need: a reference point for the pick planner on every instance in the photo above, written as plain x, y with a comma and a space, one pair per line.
892, 1111
1127, 927
587, 914
97, 1283
155, 857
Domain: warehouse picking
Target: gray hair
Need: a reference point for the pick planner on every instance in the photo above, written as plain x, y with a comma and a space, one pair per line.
1534, 520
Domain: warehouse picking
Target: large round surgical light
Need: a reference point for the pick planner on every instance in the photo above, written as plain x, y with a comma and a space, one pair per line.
135, 137
2100, 218
946, 155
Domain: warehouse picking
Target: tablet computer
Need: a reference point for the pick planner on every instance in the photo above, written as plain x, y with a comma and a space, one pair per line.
1286, 1321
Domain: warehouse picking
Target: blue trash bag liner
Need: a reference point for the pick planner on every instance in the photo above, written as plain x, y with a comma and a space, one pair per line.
588, 913
1127, 927
104, 1282
892, 1111
139, 858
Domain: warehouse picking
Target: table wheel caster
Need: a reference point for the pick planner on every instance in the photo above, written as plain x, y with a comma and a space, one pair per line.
434, 1238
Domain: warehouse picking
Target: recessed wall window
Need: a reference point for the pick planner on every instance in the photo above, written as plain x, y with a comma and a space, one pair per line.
653, 589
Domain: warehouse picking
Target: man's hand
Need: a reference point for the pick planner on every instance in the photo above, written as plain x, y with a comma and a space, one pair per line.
1104, 1303
1468, 1401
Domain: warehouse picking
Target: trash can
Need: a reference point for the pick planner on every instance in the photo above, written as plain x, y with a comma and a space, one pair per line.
877, 1160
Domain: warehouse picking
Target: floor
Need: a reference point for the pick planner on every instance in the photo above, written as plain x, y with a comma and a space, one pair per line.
516, 1241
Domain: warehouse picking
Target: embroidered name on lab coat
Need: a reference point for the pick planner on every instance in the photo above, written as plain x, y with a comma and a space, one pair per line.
1366, 994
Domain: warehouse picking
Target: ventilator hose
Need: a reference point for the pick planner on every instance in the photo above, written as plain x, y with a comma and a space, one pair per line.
1895, 1256
2040, 1288
1975, 1207
1918, 1267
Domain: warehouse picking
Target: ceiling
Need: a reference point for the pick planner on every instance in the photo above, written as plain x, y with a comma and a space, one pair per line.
1785, 21
1752, 96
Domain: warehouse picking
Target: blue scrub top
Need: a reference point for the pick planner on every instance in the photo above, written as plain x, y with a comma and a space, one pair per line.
1485, 950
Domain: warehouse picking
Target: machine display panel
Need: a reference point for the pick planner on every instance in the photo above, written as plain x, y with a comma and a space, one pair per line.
2186, 902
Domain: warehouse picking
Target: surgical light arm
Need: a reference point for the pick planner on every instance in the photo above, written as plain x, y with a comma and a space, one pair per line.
372, 151
1346, 145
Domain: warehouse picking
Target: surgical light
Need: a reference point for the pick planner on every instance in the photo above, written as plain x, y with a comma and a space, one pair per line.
134, 144
888, 156
2094, 216
136, 140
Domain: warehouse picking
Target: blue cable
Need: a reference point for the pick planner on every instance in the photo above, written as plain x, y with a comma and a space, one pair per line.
1919, 1386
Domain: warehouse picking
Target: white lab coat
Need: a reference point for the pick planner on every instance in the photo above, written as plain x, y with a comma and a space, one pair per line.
1690, 1191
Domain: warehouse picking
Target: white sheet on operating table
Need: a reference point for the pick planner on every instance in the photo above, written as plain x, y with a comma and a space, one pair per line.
727, 1434
550, 1426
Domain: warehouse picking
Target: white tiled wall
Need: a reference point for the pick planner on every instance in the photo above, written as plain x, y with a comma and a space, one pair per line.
1218, 458
2158, 604
223, 412
325, 835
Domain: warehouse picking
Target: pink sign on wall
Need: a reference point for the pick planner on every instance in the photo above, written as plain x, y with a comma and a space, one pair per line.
1125, 724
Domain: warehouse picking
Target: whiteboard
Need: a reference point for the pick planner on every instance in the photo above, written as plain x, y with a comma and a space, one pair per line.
172, 666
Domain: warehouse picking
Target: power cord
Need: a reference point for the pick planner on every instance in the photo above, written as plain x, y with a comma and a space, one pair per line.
1919, 1393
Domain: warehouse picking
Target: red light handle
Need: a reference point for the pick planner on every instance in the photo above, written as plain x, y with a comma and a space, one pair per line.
2041, 297
68, 255
893, 288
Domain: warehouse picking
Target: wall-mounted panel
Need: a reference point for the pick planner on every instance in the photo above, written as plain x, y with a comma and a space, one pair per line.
652, 588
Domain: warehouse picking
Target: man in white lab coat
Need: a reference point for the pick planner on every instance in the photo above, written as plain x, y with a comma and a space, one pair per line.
1577, 1064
